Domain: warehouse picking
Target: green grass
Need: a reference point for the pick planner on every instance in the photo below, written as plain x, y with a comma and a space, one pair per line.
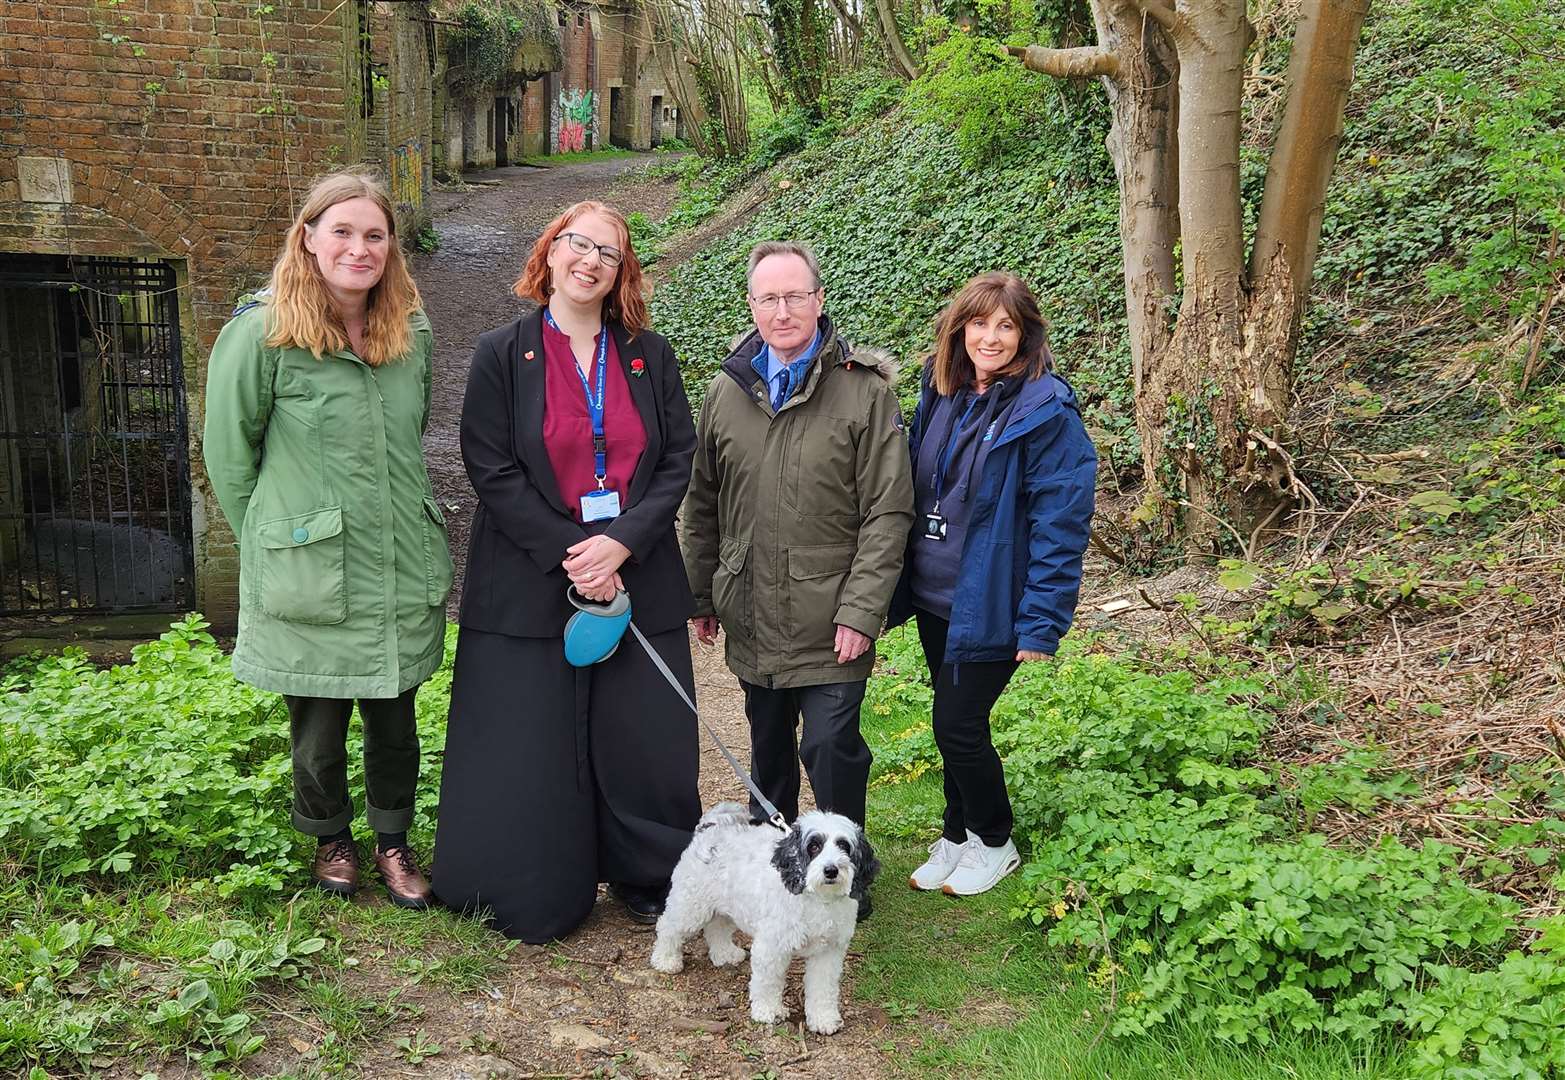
973, 992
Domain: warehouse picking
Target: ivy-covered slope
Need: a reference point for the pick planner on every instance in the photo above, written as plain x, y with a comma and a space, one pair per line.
905, 208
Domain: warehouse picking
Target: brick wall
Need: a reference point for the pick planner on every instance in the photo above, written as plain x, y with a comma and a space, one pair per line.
186, 133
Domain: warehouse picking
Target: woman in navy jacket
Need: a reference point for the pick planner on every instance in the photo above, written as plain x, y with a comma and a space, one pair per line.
1003, 472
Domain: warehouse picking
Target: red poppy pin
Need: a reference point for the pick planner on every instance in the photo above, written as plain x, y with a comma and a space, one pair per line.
637, 367
528, 354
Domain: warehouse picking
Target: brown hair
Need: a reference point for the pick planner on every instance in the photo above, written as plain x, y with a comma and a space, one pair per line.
768, 248
626, 304
301, 313
951, 369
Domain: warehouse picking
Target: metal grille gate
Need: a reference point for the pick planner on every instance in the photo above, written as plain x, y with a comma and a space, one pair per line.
94, 459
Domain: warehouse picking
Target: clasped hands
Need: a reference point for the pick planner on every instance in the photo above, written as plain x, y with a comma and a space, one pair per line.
593, 566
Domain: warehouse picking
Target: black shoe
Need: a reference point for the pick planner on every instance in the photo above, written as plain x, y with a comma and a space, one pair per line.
865, 908
643, 903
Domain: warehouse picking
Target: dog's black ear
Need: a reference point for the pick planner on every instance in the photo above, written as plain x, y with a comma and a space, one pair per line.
788, 858
865, 866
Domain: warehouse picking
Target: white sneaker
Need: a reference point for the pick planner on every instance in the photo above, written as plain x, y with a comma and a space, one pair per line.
943, 857
980, 867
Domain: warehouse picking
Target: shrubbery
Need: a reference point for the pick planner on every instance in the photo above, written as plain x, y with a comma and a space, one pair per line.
164, 767
1158, 846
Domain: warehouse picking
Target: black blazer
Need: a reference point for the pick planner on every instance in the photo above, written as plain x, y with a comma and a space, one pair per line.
514, 582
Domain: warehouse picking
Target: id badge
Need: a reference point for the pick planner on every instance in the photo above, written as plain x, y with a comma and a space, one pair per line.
601, 505
934, 526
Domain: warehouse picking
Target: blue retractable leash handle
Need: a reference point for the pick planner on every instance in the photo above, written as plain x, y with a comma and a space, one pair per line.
592, 635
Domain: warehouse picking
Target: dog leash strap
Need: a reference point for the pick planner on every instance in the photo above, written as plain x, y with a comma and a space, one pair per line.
657, 661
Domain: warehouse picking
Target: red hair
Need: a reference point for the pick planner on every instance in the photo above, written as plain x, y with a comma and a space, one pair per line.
625, 304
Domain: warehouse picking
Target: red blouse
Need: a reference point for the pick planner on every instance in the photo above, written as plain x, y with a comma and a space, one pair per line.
567, 425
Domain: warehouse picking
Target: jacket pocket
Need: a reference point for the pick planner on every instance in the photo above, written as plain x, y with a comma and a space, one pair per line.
732, 595
302, 572
438, 571
816, 576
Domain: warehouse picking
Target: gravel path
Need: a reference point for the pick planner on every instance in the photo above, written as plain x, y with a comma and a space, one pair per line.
603, 1009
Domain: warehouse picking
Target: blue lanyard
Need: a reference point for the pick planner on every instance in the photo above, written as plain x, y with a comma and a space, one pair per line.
948, 448
600, 445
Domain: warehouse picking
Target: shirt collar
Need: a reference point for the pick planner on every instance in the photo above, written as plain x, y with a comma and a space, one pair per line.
799, 363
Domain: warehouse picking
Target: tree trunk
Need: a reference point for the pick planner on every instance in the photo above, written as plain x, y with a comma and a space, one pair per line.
1212, 393
895, 46
1320, 73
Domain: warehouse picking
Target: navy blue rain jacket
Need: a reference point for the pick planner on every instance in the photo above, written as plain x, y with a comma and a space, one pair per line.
1021, 562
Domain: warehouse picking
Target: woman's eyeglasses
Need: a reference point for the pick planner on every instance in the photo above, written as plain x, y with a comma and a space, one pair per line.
609, 256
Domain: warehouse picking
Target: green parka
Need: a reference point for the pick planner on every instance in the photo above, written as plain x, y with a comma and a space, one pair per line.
796, 521
317, 464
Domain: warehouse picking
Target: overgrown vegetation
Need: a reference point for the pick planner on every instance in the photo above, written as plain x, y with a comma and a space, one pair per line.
1182, 870
147, 868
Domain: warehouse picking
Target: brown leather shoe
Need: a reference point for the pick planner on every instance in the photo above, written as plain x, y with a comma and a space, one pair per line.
336, 867
404, 881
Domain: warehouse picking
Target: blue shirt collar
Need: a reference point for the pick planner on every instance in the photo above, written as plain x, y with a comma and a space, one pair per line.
767, 365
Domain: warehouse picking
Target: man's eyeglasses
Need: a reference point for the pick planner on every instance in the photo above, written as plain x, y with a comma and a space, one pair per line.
609, 256
793, 301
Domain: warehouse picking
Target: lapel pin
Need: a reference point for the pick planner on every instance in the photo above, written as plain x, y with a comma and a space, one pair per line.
637, 367
529, 354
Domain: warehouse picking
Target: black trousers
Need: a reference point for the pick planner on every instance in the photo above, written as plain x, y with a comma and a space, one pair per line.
974, 778
321, 805
557, 778
835, 755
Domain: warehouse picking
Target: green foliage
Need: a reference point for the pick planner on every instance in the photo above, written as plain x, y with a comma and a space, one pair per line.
481, 48
146, 857
993, 104
899, 224
1521, 171
1506, 1022
1157, 842
427, 240
163, 765
800, 33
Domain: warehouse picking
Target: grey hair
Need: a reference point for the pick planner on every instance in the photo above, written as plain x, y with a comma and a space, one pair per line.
784, 247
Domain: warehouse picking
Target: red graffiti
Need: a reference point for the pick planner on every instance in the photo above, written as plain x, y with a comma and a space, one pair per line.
572, 137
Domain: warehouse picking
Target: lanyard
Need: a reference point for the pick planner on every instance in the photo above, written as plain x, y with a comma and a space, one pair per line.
947, 448
600, 445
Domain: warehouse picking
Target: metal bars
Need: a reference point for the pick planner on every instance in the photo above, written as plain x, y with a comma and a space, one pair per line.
95, 510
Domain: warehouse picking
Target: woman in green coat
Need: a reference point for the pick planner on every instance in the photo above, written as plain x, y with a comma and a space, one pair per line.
317, 397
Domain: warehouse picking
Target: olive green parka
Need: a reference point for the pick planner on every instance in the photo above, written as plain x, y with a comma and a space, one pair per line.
317, 464
796, 520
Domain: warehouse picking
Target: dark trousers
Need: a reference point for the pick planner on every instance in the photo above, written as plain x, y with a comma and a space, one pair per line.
835, 755
321, 805
974, 778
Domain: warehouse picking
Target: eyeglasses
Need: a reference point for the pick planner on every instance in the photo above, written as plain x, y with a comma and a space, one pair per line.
610, 256
793, 301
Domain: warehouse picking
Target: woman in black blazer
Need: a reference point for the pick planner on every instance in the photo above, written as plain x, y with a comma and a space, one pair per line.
578, 440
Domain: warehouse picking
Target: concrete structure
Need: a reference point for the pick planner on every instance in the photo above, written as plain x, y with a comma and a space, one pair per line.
154, 150
588, 81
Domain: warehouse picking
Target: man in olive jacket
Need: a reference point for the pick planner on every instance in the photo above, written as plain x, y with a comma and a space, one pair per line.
794, 530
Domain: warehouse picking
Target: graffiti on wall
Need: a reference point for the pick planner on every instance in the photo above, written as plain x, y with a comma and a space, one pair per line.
407, 176
578, 121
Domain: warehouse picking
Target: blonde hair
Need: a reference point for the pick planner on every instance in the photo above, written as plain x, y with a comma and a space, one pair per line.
301, 312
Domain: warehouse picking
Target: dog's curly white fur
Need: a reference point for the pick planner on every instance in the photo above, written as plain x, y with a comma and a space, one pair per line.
795, 895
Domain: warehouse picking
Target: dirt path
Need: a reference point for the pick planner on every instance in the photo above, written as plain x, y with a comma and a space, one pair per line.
602, 1008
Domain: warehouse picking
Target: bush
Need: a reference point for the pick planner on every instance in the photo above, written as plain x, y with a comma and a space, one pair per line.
1156, 842
165, 767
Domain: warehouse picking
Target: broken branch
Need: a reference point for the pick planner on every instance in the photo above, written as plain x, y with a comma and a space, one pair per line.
1082, 63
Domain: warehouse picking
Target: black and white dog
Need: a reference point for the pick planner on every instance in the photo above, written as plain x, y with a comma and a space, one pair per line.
795, 895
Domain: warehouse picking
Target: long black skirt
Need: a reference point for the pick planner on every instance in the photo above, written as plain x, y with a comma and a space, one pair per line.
557, 778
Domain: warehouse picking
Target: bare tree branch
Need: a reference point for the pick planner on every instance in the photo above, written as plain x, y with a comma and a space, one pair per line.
1083, 63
